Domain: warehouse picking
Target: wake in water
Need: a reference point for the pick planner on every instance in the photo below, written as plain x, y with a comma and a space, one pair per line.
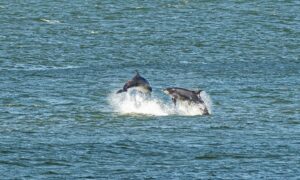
134, 102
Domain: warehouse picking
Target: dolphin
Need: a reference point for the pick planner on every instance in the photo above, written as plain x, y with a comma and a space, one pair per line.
139, 82
185, 95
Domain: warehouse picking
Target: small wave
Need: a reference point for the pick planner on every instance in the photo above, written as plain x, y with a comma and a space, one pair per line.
23, 67
94, 32
134, 102
50, 21
184, 62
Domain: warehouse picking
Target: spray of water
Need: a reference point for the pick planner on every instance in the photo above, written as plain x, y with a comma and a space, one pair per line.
134, 102
207, 101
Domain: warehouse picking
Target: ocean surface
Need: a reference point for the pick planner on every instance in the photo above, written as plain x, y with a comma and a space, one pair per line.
61, 63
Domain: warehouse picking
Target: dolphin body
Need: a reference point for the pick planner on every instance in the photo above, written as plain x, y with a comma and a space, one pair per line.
186, 95
139, 82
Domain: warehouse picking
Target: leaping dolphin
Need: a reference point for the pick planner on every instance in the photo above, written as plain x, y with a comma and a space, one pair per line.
139, 82
186, 95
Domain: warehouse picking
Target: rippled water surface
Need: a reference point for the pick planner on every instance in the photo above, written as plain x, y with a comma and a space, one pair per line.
62, 61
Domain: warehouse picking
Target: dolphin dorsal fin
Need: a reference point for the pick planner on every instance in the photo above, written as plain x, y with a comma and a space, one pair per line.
137, 73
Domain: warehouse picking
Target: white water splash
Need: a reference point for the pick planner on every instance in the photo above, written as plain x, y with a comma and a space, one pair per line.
207, 101
133, 102
137, 103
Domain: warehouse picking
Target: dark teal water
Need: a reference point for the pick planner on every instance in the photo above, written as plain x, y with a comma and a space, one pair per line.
61, 61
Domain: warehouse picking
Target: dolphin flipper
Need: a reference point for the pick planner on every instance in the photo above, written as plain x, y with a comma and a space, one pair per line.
128, 85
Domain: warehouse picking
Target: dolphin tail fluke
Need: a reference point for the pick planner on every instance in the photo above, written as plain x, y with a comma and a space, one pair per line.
120, 91
198, 92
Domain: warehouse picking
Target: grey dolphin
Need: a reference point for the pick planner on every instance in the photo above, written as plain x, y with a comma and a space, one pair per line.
137, 81
185, 95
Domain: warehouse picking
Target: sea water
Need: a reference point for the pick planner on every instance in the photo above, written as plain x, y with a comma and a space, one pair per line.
61, 63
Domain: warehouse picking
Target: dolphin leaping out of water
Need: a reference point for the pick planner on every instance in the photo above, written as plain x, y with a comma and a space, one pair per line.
139, 82
182, 94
